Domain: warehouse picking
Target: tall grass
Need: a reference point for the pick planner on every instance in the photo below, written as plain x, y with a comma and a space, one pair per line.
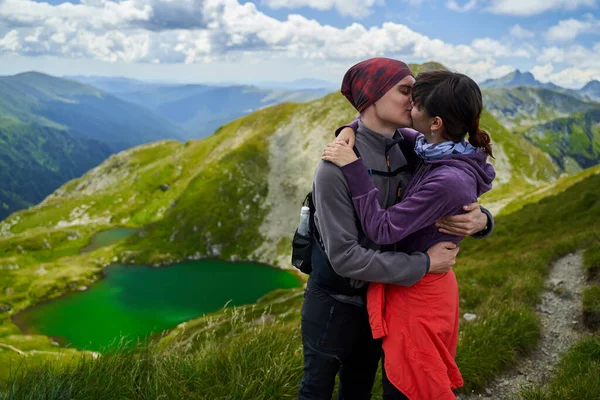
262, 362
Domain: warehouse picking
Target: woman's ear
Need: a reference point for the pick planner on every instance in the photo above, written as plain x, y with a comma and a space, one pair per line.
437, 124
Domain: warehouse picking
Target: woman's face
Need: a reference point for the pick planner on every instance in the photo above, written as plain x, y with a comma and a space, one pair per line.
421, 120
395, 106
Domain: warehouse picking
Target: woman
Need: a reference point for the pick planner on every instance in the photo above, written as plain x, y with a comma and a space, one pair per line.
419, 324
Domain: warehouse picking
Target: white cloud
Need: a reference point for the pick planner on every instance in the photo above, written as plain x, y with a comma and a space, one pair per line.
495, 48
569, 29
534, 7
543, 72
575, 55
10, 42
571, 66
521, 33
483, 70
498, 72
355, 8
572, 77
215, 31
468, 6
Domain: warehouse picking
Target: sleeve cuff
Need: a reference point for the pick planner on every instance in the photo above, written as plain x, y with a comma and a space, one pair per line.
490, 225
358, 178
428, 262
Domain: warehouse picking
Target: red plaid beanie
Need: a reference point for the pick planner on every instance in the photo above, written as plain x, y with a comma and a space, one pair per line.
369, 80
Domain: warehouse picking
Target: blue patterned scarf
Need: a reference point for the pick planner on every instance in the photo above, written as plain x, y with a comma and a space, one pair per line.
434, 151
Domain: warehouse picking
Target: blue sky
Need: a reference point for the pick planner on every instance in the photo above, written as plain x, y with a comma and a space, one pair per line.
233, 40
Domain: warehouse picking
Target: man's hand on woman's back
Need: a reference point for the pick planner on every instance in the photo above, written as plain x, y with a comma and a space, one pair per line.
442, 257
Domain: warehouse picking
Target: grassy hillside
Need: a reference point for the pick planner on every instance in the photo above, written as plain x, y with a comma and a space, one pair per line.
39, 247
561, 184
426, 67
520, 166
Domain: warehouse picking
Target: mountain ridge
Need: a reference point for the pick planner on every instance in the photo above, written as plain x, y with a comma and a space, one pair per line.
53, 130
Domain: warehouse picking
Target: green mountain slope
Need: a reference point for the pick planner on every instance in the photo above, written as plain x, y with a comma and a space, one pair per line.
84, 110
53, 130
36, 159
520, 166
561, 184
573, 142
426, 67
516, 107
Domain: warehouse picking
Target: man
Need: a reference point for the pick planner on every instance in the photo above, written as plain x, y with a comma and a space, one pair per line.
336, 334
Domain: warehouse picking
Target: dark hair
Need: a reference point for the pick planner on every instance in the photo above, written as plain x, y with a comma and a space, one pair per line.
456, 99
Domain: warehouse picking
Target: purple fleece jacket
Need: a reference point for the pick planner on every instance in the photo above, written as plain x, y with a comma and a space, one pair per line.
438, 188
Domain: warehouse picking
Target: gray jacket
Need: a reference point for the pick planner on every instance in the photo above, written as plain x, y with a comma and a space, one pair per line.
350, 253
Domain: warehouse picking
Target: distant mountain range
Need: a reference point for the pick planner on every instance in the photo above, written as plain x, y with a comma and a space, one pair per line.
84, 110
53, 130
56, 129
516, 78
591, 91
200, 109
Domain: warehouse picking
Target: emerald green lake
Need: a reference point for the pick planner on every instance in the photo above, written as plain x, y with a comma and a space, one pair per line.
136, 301
109, 236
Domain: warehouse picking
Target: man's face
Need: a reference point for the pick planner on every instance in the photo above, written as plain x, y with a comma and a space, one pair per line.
395, 106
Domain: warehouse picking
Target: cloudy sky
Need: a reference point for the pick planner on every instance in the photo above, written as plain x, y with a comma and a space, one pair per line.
238, 41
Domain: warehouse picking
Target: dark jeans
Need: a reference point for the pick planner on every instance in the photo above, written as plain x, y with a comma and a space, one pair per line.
390, 392
336, 338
